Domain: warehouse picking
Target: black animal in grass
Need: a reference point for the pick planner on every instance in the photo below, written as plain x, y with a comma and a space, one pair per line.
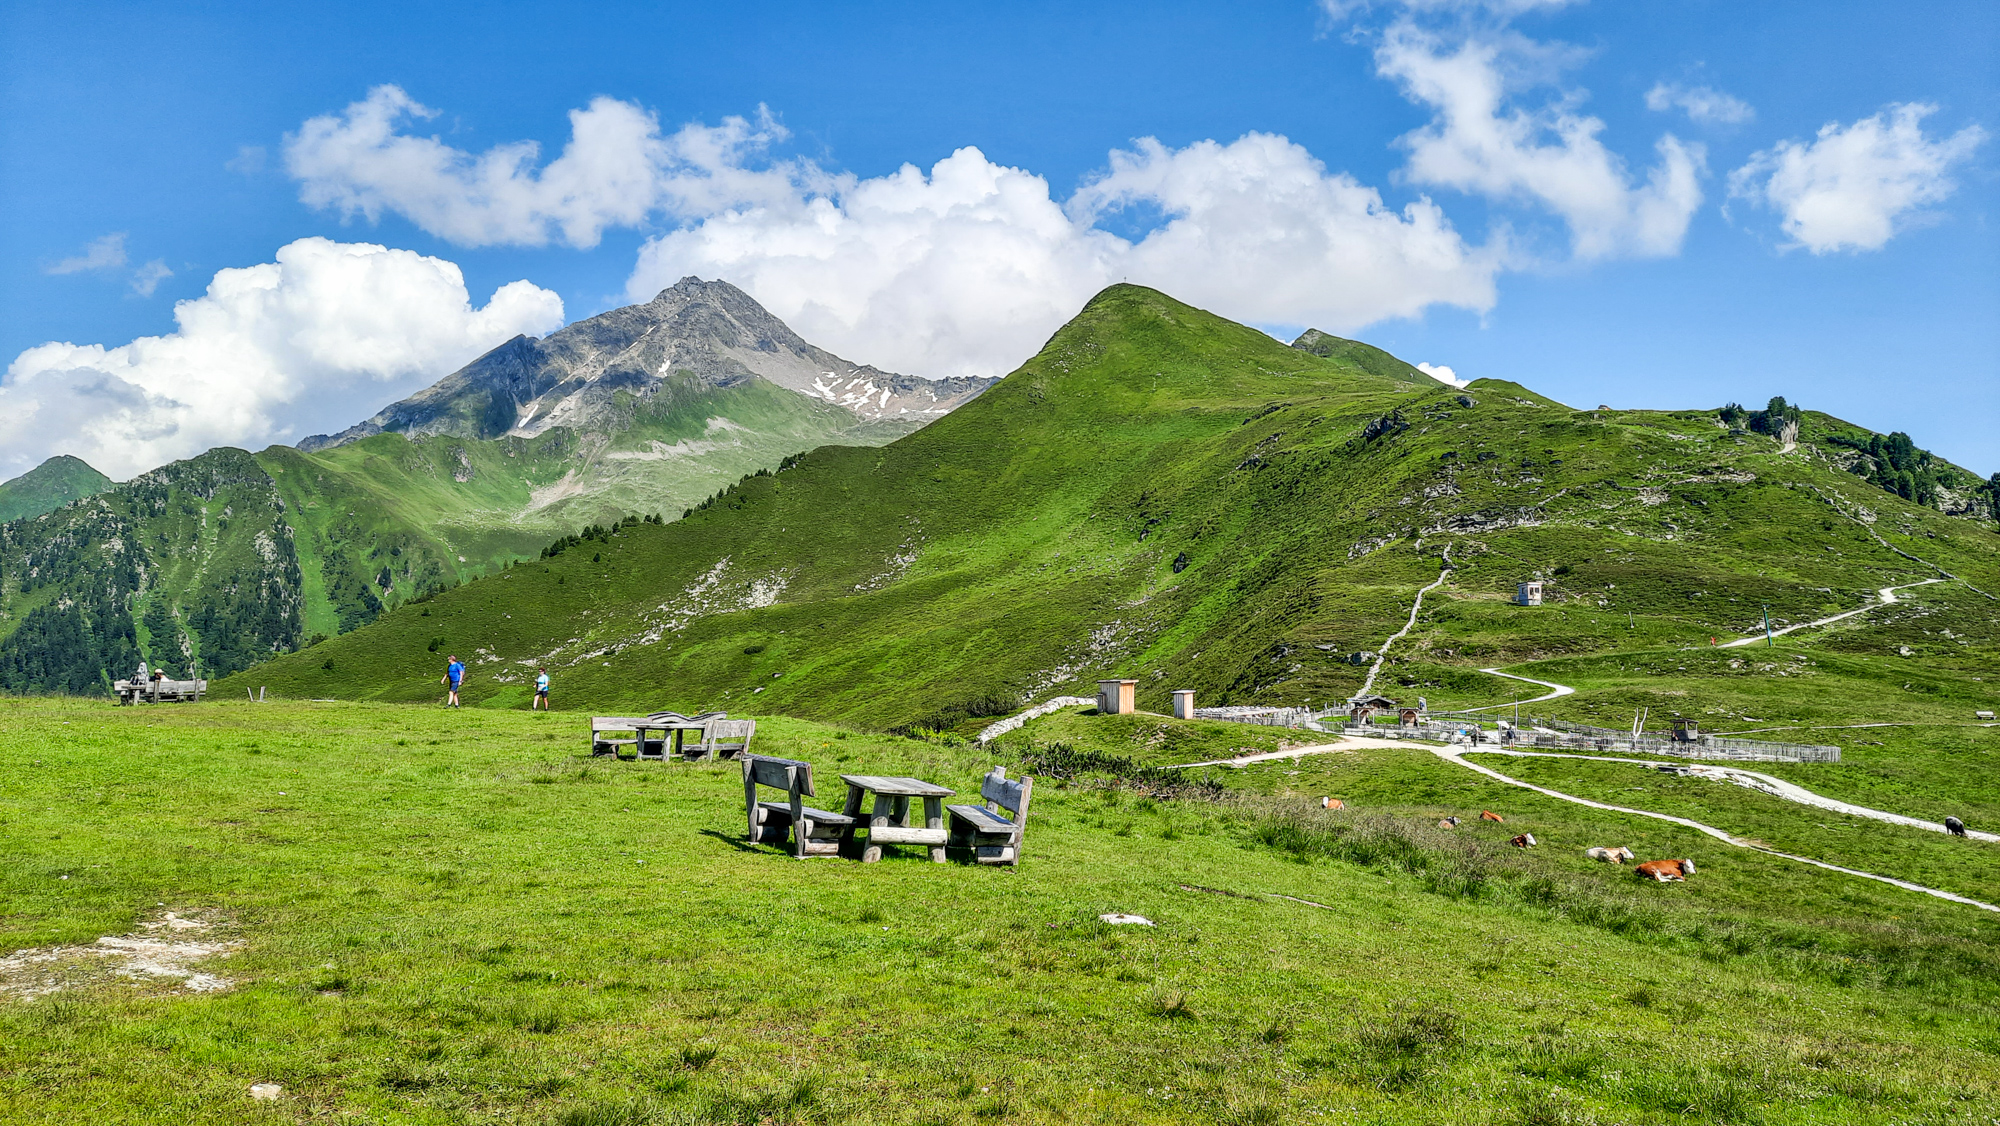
1954, 826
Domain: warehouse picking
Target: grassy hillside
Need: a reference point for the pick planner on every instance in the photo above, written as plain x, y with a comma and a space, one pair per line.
49, 486
450, 917
1166, 495
1365, 357
228, 558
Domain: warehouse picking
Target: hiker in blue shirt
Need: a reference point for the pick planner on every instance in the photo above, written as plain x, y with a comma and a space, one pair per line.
541, 690
454, 672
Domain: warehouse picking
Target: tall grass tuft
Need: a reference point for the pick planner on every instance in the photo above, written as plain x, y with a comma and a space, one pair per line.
1405, 1046
1065, 763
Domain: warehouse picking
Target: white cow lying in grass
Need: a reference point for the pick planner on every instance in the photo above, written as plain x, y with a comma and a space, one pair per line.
1617, 855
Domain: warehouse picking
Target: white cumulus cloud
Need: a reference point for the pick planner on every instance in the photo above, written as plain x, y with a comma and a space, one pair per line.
966, 267
256, 355
616, 170
1703, 104
1443, 374
1480, 141
1853, 187
969, 268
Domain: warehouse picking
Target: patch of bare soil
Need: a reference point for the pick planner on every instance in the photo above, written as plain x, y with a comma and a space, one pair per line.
163, 950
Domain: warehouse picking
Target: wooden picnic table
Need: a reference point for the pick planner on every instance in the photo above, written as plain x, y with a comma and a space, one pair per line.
890, 821
662, 722
158, 691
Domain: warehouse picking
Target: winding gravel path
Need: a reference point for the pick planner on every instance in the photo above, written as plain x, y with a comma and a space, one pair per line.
1557, 690
1375, 670
1752, 780
1887, 595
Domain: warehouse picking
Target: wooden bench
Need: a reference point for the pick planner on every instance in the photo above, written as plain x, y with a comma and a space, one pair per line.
727, 738
994, 839
814, 832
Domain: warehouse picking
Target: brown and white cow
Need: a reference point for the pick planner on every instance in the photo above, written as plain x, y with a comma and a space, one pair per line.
1448, 823
1489, 815
1665, 871
1332, 803
1617, 855
1525, 840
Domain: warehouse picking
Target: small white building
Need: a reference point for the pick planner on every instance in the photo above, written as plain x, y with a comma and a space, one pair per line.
1184, 704
1117, 697
1528, 593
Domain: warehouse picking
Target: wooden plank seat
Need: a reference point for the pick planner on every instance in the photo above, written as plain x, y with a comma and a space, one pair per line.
994, 839
813, 832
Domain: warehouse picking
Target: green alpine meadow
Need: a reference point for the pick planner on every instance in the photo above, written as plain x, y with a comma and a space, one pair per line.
319, 895
1164, 495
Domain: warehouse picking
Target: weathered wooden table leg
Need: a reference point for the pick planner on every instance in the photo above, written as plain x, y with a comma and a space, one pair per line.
853, 810
879, 819
934, 819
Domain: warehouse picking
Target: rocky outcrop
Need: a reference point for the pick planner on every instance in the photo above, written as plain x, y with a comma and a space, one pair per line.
700, 333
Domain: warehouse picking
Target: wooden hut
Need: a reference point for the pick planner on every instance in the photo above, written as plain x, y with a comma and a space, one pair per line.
1117, 697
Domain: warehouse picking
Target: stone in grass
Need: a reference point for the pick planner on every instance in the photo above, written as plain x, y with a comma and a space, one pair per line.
266, 1091
1122, 920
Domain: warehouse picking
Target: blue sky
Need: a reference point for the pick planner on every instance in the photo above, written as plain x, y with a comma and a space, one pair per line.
1629, 203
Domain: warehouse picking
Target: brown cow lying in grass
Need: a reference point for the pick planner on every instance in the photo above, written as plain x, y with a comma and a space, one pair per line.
1525, 840
1617, 855
1665, 871
1332, 803
1489, 815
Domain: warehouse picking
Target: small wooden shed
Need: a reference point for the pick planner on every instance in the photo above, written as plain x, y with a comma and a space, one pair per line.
1117, 697
1360, 710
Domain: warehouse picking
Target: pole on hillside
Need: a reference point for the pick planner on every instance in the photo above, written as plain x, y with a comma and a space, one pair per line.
1768, 642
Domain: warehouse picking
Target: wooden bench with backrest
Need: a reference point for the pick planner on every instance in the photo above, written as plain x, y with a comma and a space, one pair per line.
814, 832
727, 738
994, 839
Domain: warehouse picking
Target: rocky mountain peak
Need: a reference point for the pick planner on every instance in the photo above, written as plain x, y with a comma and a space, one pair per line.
705, 332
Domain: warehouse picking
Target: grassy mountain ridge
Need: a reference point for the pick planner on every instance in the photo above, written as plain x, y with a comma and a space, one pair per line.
646, 409
1163, 494
1366, 357
49, 486
157, 567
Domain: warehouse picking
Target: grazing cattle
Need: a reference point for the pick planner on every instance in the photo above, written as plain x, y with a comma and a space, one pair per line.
1448, 823
1332, 803
1954, 826
1525, 840
1617, 855
1489, 815
1665, 871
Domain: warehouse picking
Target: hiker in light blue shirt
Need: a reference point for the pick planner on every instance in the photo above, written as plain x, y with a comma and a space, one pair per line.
454, 674
541, 690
